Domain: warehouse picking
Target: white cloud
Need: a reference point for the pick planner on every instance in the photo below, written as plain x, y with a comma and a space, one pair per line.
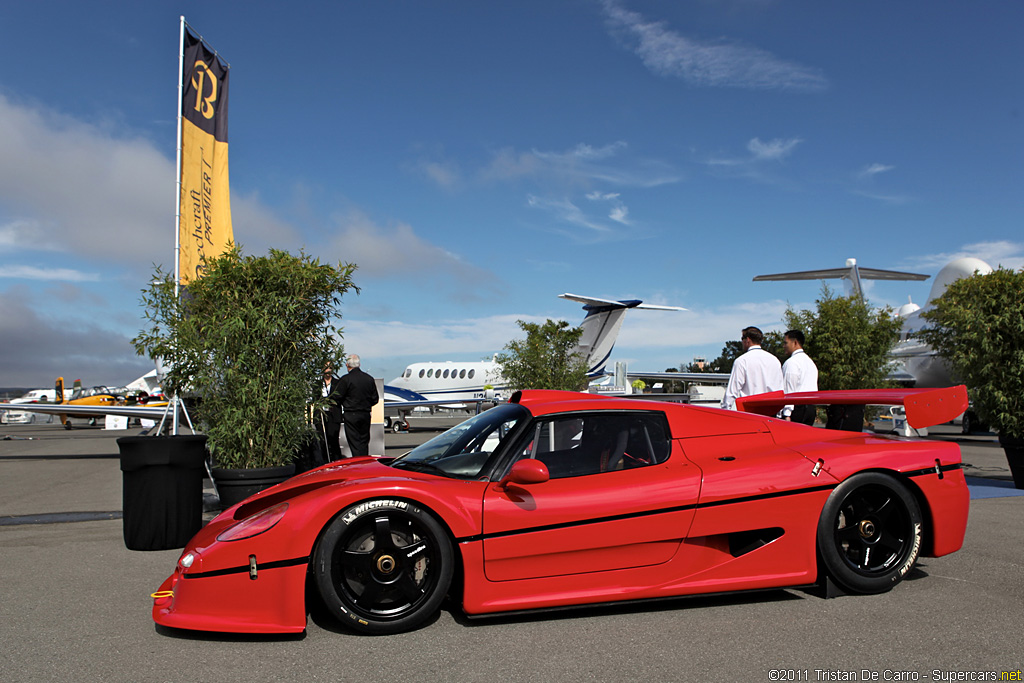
773, 150
568, 214
77, 187
34, 273
874, 169
996, 253
38, 347
757, 164
883, 197
619, 211
619, 214
396, 250
703, 63
445, 175
864, 185
464, 338
698, 326
581, 165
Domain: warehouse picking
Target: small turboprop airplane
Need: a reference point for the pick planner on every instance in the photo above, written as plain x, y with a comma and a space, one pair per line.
100, 397
94, 403
471, 381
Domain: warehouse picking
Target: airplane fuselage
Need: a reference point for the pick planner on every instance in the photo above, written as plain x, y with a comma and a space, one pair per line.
452, 380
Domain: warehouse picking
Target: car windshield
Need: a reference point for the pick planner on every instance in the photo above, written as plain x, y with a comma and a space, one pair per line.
463, 451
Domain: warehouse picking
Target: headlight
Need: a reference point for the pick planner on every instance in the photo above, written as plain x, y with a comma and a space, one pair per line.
264, 520
186, 560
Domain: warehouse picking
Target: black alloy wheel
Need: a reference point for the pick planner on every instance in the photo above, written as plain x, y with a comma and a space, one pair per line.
869, 533
384, 566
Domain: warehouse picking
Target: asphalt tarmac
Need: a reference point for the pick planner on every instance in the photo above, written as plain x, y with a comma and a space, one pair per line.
75, 605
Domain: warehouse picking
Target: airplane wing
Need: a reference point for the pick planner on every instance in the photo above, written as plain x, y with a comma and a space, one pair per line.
832, 273
594, 301
699, 377
143, 412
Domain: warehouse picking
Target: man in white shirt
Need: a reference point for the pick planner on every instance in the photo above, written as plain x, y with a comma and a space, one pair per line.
754, 372
799, 374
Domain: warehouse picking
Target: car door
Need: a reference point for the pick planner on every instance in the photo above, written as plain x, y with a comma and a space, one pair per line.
618, 497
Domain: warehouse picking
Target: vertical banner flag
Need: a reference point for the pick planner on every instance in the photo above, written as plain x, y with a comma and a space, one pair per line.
204, 227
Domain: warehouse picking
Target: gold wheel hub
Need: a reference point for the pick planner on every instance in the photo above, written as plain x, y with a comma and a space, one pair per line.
386, 564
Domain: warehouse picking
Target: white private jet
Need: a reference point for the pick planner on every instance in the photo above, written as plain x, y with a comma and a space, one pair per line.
468, 381
920, 367
919, 360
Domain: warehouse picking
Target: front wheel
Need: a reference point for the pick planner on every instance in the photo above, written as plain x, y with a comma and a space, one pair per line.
869, 534
383, 566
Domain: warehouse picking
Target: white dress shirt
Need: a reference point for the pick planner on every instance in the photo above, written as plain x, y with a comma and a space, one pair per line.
755, 372
799, 374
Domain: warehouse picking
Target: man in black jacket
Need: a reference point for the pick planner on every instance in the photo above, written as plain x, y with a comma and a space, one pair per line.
356, 392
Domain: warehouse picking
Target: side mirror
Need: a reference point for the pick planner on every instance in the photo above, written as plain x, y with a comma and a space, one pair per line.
526, 472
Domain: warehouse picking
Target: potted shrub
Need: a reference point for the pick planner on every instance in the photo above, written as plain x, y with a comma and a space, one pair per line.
977, 326
249, 341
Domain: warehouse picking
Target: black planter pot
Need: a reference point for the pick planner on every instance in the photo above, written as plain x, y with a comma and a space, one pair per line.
1014, 449
162, 489
234, 486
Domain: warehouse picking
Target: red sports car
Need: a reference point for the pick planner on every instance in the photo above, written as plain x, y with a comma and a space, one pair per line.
558, 499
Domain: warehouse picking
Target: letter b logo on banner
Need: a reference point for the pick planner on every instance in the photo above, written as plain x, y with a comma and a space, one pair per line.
204, 102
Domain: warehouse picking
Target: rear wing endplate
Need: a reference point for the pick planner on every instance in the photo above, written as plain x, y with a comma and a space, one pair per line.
925, 407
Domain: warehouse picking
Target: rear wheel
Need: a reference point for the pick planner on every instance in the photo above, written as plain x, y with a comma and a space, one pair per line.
869, 534
384, 566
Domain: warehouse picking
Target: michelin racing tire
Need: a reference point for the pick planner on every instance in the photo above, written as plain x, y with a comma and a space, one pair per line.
869, 533
383, 566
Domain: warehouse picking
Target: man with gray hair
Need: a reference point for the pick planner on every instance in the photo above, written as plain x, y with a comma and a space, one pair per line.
357, 394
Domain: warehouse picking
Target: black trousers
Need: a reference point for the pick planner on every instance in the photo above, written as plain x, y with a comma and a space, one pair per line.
846, 417
803, 414
330, 433
357, 432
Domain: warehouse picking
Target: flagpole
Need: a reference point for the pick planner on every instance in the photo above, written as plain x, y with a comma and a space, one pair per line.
177, 198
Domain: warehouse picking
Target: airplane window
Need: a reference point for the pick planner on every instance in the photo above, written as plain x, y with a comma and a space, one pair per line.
462, 374
471, 373
430, 372
422, 372
446, 374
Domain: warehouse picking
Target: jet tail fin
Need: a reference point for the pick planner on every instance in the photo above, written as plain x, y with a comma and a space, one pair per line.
601, 327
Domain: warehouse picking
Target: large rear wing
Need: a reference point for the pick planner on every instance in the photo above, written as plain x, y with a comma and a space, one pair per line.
925, 407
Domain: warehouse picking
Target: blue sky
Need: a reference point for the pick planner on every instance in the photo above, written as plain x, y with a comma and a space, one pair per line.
477, 159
